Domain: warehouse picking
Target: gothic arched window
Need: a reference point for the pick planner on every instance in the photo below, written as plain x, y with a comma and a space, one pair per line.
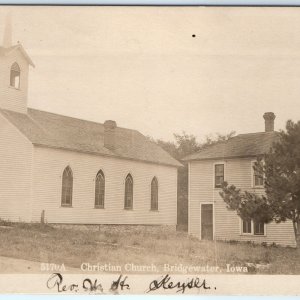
67, 187
128, 201
99, 190
154, 194
15, 75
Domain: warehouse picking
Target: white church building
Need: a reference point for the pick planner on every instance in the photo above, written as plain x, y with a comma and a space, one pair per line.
65, 170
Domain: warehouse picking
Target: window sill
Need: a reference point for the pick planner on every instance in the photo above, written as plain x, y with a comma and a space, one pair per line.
154, 210
99, 207
128, 208
253, 235
66, 206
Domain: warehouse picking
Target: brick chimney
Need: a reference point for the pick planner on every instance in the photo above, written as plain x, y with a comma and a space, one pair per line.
269, 121
110, 134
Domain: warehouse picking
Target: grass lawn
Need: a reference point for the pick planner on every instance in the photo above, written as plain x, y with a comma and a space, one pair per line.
44, 243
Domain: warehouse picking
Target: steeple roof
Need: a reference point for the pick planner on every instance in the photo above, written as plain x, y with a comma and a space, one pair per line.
7, 48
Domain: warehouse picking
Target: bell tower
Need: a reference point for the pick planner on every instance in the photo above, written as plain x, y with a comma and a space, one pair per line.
14, 69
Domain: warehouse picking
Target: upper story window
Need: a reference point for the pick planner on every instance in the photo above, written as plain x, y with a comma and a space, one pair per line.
67, 187
154, 194
128, 201
219, 175
15, 75
258, 177
99, 190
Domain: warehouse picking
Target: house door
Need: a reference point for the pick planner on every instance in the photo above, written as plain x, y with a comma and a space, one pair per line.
206, 221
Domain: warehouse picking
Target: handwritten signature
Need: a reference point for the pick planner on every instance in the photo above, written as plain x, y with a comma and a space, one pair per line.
167, 283
55, 281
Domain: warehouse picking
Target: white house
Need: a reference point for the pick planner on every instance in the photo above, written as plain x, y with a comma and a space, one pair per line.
67, 170
231, 161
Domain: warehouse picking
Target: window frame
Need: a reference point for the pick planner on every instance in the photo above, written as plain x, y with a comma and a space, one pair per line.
154, 179
99, 206
128, 176
214, 173
259, 234
63, 195
18, 72
252, 233
242, 227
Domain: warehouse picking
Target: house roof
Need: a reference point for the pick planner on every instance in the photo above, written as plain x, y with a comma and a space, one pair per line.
58, 131
8, 51
242, 145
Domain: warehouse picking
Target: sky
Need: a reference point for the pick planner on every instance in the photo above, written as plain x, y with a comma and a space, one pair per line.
163, 70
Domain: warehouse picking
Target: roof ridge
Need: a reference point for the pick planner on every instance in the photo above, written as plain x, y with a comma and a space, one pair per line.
65, 116
77, 118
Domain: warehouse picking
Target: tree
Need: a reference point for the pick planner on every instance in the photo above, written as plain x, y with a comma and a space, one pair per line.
184, 145
280, 169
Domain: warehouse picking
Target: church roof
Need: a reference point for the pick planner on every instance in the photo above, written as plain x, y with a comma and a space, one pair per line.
62, 132
9, 50
242, 145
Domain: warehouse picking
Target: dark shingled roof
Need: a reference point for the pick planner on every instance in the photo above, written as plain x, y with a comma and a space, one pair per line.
242, 145
57, 131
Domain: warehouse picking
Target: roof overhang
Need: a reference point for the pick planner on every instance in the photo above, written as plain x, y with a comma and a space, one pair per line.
108, 155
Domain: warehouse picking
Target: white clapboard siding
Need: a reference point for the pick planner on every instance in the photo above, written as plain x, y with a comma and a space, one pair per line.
48, 169
227, 223
15, 173
11, 98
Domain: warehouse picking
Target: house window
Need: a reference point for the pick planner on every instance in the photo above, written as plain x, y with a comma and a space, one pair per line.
247, 226
219, 175
99, 190
258, 178
259, 228
253, 228
15, 76
154, 194
128, 203
67, 187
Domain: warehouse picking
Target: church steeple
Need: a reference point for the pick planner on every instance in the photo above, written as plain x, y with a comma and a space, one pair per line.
14, 69
7, 36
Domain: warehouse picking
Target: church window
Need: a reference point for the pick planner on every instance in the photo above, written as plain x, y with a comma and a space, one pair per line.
128, 201
99, 190
154, 194
67, 187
